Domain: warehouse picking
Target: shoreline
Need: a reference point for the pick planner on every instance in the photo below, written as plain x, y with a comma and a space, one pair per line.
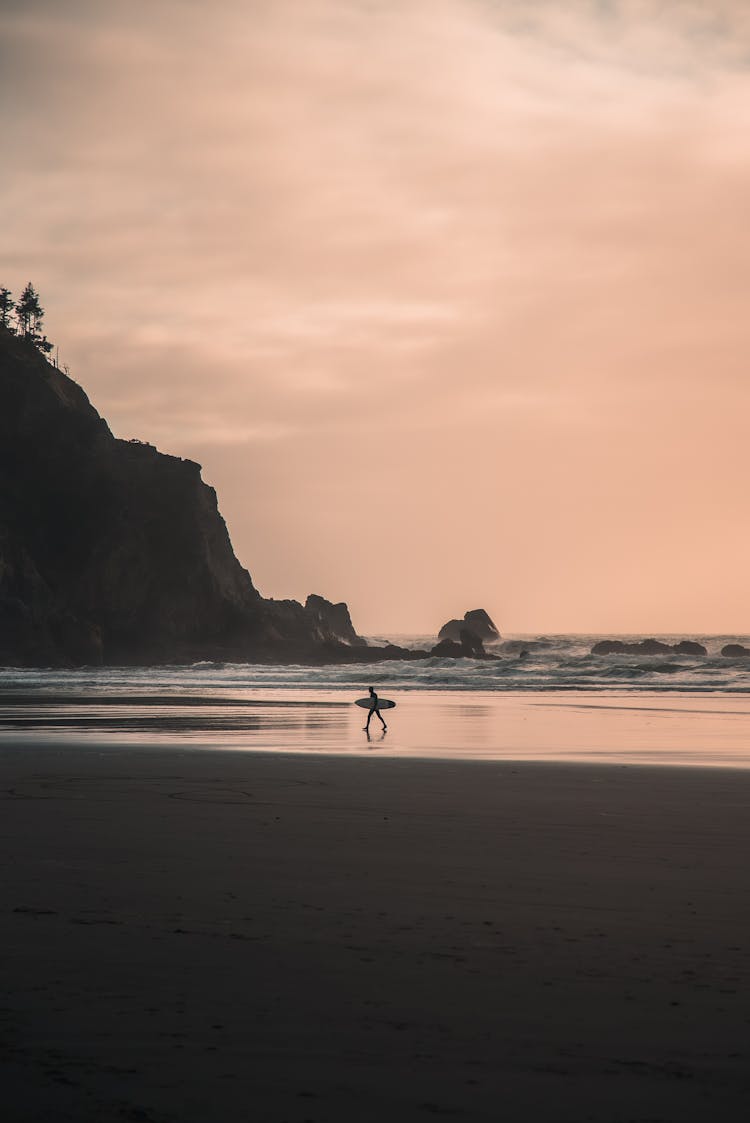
675, 730
216, 752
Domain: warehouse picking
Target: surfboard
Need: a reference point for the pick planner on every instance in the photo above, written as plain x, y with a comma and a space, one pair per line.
383, 703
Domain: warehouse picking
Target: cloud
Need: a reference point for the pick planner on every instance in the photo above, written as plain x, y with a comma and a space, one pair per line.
496, 249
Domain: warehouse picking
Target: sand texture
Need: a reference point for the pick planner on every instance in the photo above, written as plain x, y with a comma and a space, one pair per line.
191, 936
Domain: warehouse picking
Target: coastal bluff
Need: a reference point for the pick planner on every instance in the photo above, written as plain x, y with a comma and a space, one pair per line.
113, 552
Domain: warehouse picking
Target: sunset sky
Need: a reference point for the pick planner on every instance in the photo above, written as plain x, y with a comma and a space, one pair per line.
448, 297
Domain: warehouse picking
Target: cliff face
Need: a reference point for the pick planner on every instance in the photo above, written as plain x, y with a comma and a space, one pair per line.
333, 620
109, 550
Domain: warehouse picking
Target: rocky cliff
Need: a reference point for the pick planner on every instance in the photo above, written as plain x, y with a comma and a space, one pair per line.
333, 620
111, 551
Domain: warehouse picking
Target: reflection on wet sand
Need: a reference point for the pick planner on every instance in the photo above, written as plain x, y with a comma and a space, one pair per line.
649, 729
168, 718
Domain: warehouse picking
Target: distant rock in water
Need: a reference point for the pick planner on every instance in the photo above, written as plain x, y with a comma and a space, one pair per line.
481, 623
472, 644
647, 647
477, 621
332, 620
112, 552
689, 647
736, 651
469, 646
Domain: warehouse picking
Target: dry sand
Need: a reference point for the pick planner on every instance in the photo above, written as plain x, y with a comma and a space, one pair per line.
199, 935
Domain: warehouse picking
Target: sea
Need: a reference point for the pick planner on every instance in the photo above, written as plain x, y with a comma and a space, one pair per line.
544, 698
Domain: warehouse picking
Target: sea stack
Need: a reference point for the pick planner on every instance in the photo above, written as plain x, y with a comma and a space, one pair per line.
477, 621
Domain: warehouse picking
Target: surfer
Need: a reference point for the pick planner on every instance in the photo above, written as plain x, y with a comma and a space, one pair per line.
373, 710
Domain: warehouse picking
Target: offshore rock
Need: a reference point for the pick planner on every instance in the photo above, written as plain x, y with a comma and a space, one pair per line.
736, 651
332, 621
451, 631
481, 624
468, 647
477, 621
472, 644
689, 647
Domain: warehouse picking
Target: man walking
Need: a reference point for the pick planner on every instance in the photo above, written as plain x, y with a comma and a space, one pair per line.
373, 710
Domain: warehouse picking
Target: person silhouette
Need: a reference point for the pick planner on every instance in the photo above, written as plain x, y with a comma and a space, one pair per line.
373, 710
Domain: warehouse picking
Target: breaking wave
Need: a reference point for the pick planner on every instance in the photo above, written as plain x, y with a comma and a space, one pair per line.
524, 663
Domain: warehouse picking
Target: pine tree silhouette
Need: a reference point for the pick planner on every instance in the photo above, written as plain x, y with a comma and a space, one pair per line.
30, 314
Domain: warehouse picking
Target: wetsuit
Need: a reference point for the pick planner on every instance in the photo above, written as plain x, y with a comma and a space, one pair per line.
374, 709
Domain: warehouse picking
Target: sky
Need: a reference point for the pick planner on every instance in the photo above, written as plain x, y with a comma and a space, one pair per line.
447, 297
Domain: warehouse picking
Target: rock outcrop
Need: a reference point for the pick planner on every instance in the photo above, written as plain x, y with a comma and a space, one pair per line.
332, 621
477, 621
469, 646
735, 651
689, 647
647, 647
113, 552
108, 549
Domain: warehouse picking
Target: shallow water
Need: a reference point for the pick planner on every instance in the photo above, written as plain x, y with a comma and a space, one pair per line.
612, 727
559, 702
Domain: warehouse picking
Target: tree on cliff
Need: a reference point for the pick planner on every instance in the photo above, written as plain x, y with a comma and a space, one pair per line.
30, 314
6, 307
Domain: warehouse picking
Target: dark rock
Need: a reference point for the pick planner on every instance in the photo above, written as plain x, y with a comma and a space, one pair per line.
332, 620
481, 624
735, 651
115, 551
650, 647
477, 621
471, 644
689, 647
451, 630
336, 652
390, 651
469, 647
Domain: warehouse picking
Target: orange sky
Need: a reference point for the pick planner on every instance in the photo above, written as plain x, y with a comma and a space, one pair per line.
448, 297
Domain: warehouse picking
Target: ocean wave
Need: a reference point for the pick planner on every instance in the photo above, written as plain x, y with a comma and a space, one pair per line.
551, 663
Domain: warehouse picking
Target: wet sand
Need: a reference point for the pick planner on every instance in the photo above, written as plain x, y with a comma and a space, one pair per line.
591, 727
204, 935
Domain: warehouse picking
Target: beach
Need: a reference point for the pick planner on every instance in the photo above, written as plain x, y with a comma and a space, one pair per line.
195, 934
